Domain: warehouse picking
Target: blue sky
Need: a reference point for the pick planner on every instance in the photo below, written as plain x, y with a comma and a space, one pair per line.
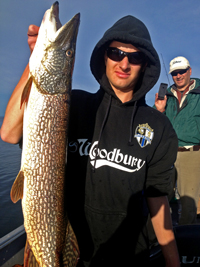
173, 26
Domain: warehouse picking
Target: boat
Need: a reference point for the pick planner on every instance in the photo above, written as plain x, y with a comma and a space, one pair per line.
187, 238
12, 247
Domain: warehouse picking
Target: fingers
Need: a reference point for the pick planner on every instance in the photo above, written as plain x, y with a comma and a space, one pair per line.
32, 36
156, 96
157, 99
33, 30
160, 104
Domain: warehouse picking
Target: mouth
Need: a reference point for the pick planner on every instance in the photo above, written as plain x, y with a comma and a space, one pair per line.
179, 79
122, 75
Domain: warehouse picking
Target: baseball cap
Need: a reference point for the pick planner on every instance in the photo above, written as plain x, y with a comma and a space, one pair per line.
178, 63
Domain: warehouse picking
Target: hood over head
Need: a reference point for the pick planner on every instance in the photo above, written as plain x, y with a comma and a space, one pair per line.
128, 30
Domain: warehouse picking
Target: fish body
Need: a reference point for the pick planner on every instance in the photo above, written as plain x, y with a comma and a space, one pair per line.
40, 182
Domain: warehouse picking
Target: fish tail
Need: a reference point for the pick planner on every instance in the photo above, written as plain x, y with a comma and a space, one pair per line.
29, 258
71, 250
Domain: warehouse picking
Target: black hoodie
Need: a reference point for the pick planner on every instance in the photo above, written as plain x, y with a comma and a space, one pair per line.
118, 154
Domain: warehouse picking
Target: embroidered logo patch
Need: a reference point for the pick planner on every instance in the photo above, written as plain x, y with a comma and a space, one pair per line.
144, 134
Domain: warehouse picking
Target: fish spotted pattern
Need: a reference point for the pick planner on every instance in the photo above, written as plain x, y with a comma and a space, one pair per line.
40, 182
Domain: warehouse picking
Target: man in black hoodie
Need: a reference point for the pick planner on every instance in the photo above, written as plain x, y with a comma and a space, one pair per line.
120, 152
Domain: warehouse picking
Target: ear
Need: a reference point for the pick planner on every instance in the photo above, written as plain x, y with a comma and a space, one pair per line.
190, 71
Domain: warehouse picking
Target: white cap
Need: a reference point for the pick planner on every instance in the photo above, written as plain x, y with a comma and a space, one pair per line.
178, 63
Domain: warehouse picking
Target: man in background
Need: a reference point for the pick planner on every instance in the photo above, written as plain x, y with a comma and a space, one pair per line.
182, 106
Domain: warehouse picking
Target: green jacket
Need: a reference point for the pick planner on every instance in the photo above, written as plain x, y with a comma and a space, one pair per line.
186, 117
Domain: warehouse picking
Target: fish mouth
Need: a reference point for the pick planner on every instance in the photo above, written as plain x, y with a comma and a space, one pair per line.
55, 12
54, 28
67, 31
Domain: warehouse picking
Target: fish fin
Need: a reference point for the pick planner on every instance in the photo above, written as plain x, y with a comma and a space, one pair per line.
16, 192
26, 91
29, 258
71, 250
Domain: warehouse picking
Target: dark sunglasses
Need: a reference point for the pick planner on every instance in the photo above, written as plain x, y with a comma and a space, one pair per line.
116, 54
175, 73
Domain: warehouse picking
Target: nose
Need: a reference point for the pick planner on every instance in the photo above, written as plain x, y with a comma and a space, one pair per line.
178, 75
124, 63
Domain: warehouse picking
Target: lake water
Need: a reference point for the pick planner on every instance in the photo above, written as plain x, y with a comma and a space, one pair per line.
10, 213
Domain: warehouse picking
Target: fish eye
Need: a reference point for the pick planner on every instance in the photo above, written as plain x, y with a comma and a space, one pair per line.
69, 53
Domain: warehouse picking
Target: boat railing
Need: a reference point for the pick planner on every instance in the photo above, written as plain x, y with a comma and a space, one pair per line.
12, 247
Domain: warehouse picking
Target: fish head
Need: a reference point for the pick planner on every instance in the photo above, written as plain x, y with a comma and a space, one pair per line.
52, 61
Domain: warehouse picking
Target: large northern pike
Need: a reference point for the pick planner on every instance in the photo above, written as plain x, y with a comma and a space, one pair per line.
40, 182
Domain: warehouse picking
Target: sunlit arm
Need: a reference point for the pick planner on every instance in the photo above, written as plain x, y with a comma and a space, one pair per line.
11, 130
162, 224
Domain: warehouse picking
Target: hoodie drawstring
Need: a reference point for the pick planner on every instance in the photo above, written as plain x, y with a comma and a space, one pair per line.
101, 130
130, 142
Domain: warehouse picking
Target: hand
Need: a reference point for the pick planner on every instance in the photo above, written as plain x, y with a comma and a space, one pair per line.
32, 36
160, 104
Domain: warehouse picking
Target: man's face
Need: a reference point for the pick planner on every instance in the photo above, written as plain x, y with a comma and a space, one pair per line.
122, 75
182, 80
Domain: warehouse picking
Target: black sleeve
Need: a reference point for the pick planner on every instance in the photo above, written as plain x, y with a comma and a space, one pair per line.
160, 167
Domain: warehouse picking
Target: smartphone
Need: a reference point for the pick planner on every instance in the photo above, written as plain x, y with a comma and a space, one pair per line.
162, 91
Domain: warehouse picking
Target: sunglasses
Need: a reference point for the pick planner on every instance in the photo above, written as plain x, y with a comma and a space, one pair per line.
175, 73
116, 54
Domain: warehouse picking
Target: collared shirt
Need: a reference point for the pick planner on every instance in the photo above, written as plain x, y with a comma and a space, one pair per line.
180, 94
181, 97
